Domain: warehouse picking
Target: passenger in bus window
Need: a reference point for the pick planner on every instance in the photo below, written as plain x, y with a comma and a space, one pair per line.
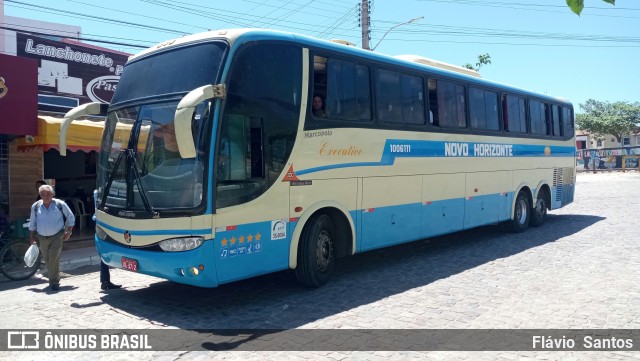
318, 106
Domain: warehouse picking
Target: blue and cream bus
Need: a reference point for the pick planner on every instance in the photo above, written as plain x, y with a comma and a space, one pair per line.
215, 166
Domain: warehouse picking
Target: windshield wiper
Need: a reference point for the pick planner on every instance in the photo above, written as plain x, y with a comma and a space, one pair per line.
138, 180
112, 176
136, 177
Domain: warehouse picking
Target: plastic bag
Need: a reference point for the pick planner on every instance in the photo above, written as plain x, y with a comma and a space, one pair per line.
32, 255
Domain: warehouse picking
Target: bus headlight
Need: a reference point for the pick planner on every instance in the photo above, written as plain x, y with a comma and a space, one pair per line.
181, 244
100, 233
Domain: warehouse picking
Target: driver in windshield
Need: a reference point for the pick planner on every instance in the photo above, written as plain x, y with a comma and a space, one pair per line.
165, 144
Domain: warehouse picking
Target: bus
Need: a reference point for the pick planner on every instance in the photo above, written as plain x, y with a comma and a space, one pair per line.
214, 166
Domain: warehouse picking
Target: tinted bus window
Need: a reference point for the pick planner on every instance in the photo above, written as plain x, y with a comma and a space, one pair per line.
400, 98
515, 117
413, 100
259, 123
567, 122
555, 120
433, 101
538, 117
483, 109
389, 96
451, 105
348, 95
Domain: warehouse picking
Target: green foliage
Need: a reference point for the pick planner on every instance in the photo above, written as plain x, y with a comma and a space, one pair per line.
577, 5
602, 117
483, 59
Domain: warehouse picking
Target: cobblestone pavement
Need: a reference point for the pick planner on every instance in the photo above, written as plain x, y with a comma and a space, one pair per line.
580, 270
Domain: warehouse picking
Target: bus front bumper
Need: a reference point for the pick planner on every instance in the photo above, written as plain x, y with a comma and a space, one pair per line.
195, 267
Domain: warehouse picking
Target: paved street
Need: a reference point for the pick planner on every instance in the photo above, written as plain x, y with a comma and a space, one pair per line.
580, 270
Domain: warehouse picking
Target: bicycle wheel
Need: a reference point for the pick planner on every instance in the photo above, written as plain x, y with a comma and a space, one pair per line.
12, 262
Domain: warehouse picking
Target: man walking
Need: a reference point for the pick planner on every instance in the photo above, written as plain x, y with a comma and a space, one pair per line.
50, 224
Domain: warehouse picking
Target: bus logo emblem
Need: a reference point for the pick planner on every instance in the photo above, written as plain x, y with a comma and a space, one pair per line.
127, 236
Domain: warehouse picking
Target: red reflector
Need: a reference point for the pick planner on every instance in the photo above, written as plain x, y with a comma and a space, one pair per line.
231, 228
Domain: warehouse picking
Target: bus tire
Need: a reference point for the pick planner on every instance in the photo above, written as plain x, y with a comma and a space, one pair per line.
316, 252
521, 214
539, 210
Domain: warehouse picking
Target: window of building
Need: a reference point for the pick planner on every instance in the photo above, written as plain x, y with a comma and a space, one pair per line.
515, 117
626, 141
483, 109
599, 143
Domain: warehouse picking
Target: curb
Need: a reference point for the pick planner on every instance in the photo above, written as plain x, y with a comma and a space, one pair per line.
71, 264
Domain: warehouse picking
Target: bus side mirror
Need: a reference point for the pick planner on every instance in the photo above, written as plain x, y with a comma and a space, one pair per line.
184, 114
73, 114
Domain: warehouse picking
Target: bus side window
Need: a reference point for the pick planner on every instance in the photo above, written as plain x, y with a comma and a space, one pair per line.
538, 116
567, 122
555, 119
319, 84
433, 102
515, 116
451, 105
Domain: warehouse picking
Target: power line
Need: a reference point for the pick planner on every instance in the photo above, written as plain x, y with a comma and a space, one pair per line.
517, 44
76, 38
136, 14
71, 33
337, 28
519, 6
102, 19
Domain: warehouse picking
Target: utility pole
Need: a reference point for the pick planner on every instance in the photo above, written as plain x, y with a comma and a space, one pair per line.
365, 20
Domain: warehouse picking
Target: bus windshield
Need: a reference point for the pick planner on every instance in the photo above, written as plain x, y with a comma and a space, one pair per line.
140, 166
167, 72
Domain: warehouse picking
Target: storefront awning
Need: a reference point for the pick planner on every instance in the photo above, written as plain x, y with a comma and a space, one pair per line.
82, 135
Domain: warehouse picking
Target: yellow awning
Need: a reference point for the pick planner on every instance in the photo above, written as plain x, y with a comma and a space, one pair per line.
84, 135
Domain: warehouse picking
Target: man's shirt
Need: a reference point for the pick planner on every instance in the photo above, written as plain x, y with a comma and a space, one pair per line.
49, 221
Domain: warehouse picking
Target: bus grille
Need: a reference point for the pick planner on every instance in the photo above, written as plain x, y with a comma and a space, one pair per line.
563, 178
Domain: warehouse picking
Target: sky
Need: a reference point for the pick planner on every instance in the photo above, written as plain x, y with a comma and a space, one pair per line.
536, 45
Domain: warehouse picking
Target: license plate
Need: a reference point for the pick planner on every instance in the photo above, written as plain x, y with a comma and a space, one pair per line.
129, 264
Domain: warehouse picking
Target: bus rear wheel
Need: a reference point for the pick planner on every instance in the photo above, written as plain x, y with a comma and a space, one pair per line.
539, 210
520, 220
316, 252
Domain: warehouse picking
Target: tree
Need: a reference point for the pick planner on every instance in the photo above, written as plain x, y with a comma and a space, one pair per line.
577, 5
602, 117
483, 59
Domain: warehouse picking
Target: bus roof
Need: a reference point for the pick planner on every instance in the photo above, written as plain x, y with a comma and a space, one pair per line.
415, 62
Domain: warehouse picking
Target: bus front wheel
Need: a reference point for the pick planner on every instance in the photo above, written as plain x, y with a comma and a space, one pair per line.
520, 220
316, 252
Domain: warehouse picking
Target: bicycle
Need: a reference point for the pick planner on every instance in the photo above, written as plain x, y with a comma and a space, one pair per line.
12, 263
